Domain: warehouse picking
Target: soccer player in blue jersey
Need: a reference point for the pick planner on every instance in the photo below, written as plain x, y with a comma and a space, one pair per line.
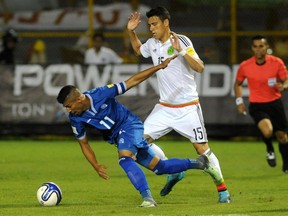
99, 108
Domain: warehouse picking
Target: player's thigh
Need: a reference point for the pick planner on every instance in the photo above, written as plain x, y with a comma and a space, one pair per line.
131, 138
190, 124
158, 123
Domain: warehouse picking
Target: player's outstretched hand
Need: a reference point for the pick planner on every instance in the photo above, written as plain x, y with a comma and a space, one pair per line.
133, 21
167, 61
101, 170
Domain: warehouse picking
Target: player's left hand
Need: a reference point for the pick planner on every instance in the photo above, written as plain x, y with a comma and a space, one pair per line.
175, 41
279, 86
133, 21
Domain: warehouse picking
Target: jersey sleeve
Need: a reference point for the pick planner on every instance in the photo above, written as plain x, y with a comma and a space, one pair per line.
108, 91
144, 49
78, 128
187, 45
113, 90
283, 73
240, 76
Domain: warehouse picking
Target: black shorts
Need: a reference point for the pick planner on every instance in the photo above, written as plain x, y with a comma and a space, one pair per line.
273, 110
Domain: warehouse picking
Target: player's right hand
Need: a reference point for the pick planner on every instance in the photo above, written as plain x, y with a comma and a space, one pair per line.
167, 61
101, 170
242, 109
133, 22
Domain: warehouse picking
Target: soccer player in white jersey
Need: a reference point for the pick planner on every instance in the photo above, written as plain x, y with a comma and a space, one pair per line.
178, 108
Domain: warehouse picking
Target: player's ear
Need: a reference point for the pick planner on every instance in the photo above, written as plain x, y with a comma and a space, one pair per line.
80, 98
166, 22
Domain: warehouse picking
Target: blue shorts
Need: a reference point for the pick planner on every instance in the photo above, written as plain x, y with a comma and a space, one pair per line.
131, 138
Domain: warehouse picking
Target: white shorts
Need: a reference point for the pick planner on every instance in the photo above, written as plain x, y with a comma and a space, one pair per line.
187, 121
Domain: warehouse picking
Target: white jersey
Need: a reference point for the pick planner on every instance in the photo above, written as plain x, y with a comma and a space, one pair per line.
176, 82
104, 56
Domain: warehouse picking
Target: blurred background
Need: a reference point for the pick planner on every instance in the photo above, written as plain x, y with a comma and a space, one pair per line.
220, 30
57, 32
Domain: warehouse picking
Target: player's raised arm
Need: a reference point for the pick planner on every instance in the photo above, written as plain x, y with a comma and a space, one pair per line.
132, 24
145, 74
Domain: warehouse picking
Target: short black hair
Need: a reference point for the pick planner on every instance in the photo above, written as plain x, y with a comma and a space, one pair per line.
259, 37
160, 12
99, 34
64, 92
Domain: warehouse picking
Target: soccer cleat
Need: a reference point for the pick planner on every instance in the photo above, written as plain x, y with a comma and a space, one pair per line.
148, 204
214, 174
271, 159
224, 197
171, 181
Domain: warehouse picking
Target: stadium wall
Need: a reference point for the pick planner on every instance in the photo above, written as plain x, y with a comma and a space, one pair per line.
29, 94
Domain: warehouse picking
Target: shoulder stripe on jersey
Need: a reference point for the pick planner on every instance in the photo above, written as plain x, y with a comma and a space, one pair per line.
121, 87
184, 41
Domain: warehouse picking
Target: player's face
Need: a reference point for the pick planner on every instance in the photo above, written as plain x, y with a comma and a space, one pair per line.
74, 106
157, 27
260, 47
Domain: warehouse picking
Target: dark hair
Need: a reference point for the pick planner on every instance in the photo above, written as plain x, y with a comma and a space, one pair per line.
64, 92
99, 34
160, 12
11, 34
258, 37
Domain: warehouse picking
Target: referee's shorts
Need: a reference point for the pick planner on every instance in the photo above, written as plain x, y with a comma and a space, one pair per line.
272, 110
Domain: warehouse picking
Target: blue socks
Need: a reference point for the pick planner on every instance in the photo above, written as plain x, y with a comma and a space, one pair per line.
136, 176
175, 165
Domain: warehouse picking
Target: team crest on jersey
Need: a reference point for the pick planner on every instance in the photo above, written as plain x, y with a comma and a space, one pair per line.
170, 50
110, 85
190, 51
103, 106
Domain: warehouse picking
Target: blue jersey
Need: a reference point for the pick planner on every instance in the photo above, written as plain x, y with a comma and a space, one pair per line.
105, 114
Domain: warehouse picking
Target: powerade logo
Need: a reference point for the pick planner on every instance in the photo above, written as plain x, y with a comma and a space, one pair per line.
31, 76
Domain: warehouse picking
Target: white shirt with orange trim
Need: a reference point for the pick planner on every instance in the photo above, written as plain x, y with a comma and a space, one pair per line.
176, 82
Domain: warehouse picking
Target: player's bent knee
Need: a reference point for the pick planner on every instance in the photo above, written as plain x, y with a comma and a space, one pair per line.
158, 151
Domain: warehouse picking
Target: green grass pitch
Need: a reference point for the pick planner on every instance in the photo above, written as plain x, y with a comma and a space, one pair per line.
256, 188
